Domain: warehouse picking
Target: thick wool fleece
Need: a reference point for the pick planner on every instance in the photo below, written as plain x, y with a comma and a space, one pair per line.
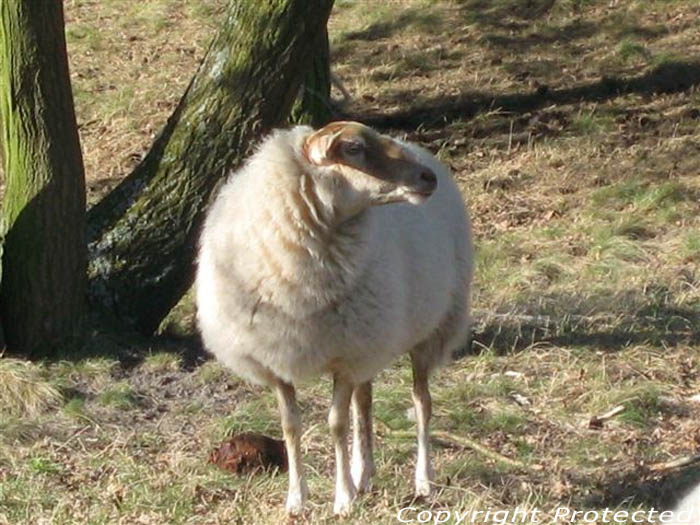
290, 286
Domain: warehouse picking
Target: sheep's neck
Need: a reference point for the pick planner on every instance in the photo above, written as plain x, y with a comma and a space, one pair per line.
313, 246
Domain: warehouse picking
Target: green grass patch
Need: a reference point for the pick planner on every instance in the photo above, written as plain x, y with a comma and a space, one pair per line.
44, 465
75, 408
691, 246
214, 372
257, 414
640, 194
643, 405
161, 362
591, 123
632, 49
554, 268
94, 372
120, 396
392, 405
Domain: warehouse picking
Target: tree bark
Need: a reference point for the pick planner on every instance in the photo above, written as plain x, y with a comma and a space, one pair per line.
142, 237
44, 259
313, 105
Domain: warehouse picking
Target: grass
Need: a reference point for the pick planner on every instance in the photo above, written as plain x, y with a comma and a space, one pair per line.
24, 389
161, 363
584, 200
119, 396
212, 372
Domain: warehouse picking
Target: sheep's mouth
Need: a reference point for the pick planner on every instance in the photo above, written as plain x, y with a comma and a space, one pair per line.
417, 196
420, 193
420, 189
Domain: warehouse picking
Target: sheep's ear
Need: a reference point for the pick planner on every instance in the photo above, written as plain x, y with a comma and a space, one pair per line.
319, 146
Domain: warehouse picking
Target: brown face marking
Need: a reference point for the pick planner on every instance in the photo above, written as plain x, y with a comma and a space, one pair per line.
383, 158
376, 155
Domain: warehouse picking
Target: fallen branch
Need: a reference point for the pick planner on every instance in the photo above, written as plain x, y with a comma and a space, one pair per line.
465, 442
676, 463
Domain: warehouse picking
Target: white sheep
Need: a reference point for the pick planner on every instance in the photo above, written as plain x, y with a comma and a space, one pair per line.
687, 511
302, 273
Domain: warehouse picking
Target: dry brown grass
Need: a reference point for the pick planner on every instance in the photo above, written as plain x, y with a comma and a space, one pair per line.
573, 132
24, 391
130, 64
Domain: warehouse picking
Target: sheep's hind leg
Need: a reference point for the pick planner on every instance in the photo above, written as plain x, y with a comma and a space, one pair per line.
362, 466
291, 427
423, 406
338, 423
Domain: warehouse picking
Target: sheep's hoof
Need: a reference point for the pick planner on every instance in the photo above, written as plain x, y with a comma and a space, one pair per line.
343, 503
424, 479
423, 488
342, 509
294, 507
295, 501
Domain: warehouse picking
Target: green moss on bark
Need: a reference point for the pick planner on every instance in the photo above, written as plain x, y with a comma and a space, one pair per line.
313, 105
43, 212
142, 237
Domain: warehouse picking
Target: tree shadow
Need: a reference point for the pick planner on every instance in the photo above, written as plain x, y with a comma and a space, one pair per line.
670, 77
567, 321
512, 16
567, 33
423, 20
504, 14
662, 492
419, 18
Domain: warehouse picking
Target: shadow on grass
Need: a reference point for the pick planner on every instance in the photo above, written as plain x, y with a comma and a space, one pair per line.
512, 16
418, 18
639, 320
423, 20
568, 33
504, 14
670, 77
102, 336
662, 493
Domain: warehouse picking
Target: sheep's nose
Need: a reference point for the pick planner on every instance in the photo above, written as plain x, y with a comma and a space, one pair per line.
429, 179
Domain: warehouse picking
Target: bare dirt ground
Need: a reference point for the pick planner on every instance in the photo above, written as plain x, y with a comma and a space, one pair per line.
573, 129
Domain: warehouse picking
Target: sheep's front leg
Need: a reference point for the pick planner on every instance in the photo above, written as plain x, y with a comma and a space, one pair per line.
291, 427
423, 406
362, 459
338, 423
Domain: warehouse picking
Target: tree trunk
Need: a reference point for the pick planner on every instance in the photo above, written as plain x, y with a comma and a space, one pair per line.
142, 237
313, 105
44, 260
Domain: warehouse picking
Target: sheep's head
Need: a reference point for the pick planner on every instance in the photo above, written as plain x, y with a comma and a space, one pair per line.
372, 164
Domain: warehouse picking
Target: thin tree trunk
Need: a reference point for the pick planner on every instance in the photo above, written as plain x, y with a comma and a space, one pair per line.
142, 237
44, 260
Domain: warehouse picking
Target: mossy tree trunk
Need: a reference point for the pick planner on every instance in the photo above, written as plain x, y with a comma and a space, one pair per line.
44, 260
313, 105
143, 235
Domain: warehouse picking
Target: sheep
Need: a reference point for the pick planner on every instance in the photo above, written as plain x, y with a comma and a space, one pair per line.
687, 510
334, 252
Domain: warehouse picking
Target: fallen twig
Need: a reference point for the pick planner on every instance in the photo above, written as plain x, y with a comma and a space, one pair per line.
597, 421
676, 463
465, 442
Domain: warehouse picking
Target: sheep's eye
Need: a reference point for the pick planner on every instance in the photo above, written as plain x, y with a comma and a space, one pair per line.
353, 148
